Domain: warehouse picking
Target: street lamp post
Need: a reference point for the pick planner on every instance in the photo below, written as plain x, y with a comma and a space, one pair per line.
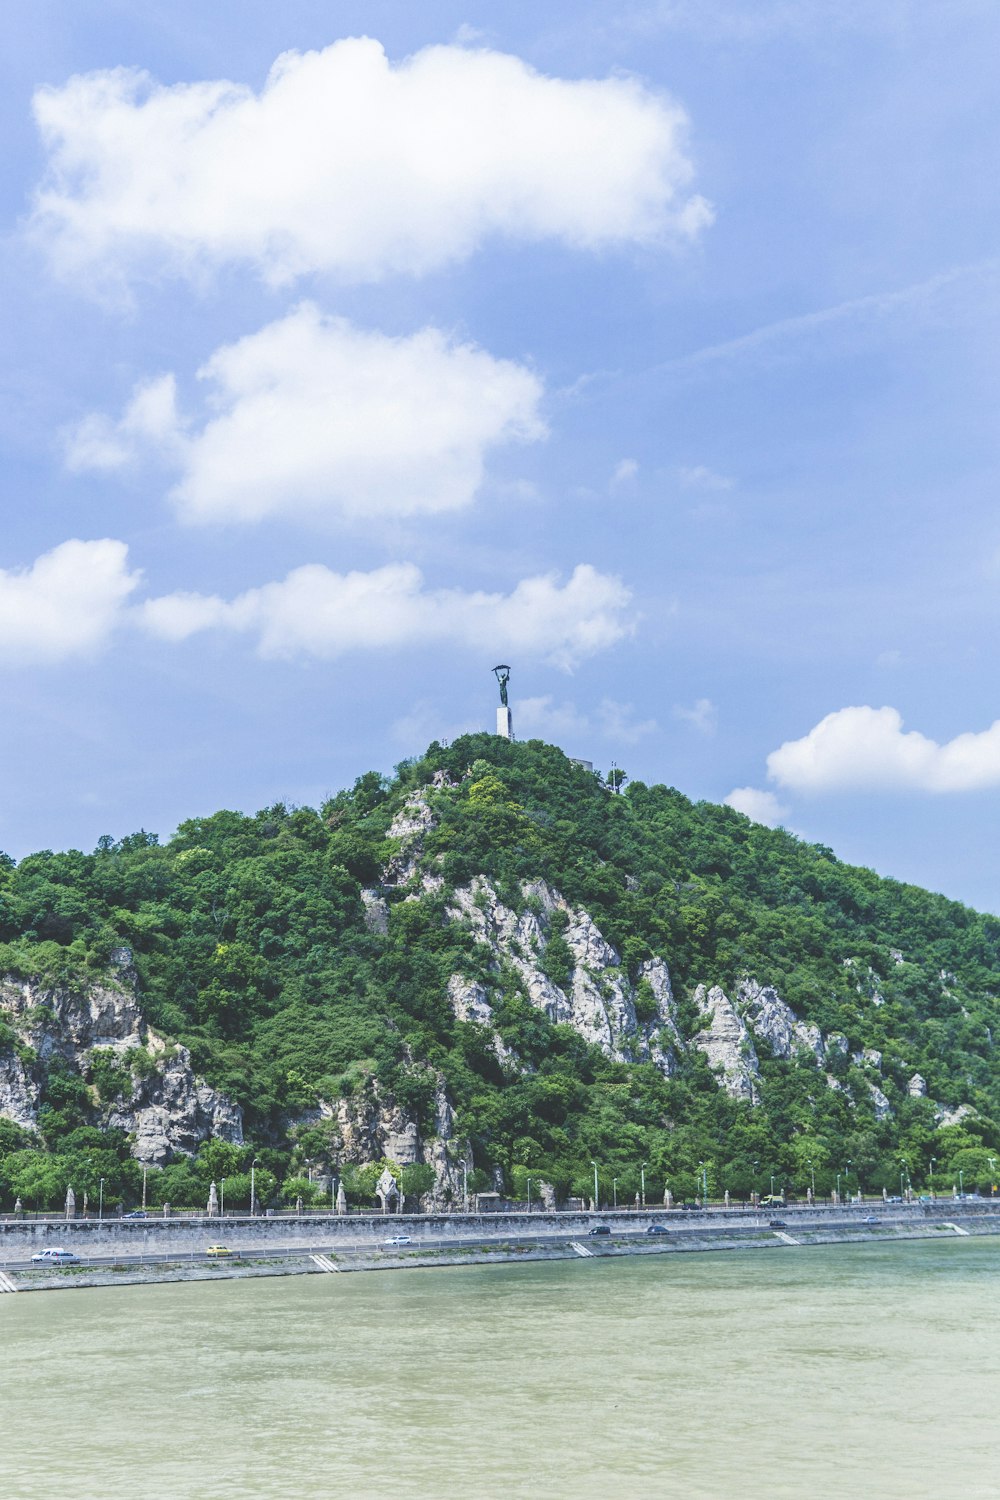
961, 1183
642, 1180
704, 1184
772, 1184
614, 1192
253, 1187
838, 1187
144, 1171
812, 1174
100, 1205
594, 1165
465, 1187
529, 1195
754, 1194
222, 1199
847, 1177
933, 1161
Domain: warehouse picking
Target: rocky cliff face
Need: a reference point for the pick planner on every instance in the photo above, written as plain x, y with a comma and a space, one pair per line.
371, 1127
162, 1104
596, 997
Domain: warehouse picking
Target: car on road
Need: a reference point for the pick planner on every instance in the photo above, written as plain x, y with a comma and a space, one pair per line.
871, 1219
897, 1199
776, 1224
657, 1229
218, 1250
600, 1229
56, 1257
137, 1213
397, 1239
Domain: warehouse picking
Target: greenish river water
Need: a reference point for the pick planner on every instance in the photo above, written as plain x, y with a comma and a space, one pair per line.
847, 1372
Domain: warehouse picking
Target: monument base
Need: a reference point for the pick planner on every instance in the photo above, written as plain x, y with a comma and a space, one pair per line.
505, 723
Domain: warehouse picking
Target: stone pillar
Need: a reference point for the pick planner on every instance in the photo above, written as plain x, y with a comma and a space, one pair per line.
726, 1197
70, 1203
213, 1201
341, 1200
505, 723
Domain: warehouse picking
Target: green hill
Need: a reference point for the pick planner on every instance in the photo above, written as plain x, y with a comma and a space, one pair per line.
485, 969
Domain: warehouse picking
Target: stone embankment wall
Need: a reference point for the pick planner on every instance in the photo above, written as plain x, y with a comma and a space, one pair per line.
163, 1236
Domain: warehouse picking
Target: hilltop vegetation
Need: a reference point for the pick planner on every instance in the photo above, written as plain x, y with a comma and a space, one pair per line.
254, 947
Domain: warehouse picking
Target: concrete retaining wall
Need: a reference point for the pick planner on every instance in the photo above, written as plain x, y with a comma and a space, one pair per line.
158, 1235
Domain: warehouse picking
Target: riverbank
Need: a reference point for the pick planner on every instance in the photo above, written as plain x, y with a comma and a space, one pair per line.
798, 1230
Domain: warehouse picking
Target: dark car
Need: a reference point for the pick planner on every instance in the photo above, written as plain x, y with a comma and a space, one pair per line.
657, 1229
599, 1229
776, 1224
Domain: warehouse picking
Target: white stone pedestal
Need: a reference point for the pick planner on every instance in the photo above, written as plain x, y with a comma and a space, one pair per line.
505, 723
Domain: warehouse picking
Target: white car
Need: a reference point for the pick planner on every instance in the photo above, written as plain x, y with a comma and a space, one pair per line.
56, 1257
397, 1239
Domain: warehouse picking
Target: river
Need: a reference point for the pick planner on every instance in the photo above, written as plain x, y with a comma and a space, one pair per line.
849, 1371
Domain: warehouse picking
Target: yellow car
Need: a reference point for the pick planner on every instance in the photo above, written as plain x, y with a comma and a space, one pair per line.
218, 1250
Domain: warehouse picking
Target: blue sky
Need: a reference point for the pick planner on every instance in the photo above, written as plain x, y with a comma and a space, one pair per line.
651, 348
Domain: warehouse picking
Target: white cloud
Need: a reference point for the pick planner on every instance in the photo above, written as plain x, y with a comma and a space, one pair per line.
701, 478
316, 612
760, 806
703, 715
543, 717
624, 471
348, 164
312, 415
867, 749
66, 604
611, 720
425, 722
619, 723
150, 419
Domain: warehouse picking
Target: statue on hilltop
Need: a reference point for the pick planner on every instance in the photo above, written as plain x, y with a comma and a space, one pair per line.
502, 674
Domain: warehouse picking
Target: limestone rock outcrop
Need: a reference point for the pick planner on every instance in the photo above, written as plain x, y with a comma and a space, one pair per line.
171, 1112
596, 998
880, 1103
725, 1040
774, 1022
164, 1106
371, 1126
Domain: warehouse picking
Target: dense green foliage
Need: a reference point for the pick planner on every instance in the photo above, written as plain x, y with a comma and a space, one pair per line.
251, 947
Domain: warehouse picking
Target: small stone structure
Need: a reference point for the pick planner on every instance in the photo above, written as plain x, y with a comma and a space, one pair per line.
387, 1193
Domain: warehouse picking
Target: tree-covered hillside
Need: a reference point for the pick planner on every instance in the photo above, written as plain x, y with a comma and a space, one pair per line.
313, 960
